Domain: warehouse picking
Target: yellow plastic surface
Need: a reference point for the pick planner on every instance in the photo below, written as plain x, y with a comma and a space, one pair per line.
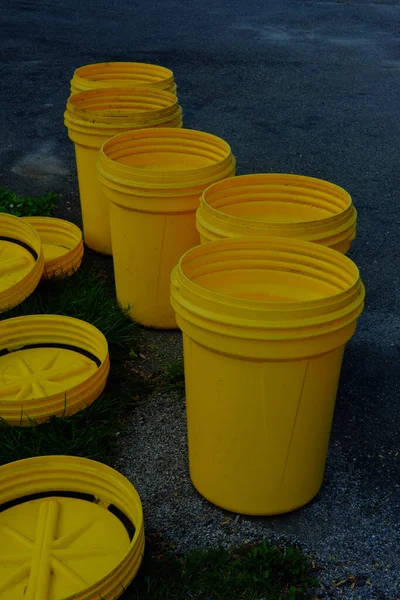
278, 205
62, 245
21, 261
122, 75
63, 544
92, 118
154, 179
265, 323
65, 371
62, 548
40, 372
16, 263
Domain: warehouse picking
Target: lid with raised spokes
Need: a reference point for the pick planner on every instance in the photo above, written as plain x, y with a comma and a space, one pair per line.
50, 365
70, 527
21, 260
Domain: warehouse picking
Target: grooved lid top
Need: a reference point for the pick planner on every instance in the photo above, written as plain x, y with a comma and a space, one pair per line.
21, 260
71, 528
118, 107
16, 262
57, 547
273, 199
50, 365
36, 373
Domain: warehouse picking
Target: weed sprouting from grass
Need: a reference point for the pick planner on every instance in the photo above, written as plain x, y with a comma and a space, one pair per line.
22, 206
244, 573
174, 375
91, 433
83, 296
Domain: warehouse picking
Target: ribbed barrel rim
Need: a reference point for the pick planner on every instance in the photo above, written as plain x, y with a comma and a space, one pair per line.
120, 108
166, 140
268, 318
127, 74
46, 474
15, 228
292, 188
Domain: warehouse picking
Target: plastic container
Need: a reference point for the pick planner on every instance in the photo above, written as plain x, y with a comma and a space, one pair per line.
62, 245
50, 366
154, 179
265, 322
21, 260
92, 118
71, 528
122, 75
278, 205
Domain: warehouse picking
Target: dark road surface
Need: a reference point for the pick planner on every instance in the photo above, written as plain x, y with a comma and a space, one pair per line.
295, 86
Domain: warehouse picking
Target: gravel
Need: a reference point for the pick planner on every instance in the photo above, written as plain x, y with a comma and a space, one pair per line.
354, 543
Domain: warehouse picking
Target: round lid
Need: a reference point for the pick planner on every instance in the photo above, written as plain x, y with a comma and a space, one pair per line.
50, 365
21, 260
70, 528
56, 547
40, 372
61, 243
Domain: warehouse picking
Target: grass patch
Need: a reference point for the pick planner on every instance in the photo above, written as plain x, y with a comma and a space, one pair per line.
92, 432
174, 375
25, 206
83, 296
246, 573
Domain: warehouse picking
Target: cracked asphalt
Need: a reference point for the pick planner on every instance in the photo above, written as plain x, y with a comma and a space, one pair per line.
308, 87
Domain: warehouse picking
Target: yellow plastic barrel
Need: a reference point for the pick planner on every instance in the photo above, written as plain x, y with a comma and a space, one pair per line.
92, 118
122, 75
278, 205
265, 322
154, 179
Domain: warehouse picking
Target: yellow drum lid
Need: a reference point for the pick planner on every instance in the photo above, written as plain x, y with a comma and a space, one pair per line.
50, 365
16, 263
53, 548
72, 529
21, 260
62, 245
40, 372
